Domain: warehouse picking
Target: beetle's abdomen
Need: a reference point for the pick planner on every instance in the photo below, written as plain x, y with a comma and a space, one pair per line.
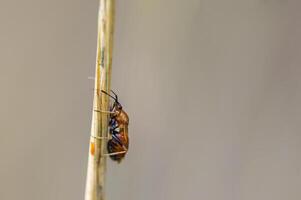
118, 143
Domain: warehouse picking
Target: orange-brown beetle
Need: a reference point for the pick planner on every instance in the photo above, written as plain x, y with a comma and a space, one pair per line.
118, 145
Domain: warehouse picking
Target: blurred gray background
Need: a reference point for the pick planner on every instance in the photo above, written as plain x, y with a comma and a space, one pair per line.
212, 88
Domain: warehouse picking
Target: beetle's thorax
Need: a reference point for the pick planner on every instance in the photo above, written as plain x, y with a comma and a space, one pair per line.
122, 117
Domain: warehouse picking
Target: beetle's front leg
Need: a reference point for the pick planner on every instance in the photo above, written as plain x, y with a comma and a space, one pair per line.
104, 111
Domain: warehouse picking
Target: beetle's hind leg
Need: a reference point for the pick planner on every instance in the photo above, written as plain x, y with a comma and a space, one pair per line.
115, 154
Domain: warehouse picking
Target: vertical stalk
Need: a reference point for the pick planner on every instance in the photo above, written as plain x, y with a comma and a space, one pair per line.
99, 128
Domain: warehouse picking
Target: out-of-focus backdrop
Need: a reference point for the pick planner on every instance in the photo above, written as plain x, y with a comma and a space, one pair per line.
212, 88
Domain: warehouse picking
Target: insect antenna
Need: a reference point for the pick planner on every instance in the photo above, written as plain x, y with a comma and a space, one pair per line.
108, 95
115, 95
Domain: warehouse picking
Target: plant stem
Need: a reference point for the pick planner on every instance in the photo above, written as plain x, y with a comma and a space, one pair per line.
99, 129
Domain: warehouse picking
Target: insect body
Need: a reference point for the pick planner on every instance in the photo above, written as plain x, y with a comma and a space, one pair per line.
119, 143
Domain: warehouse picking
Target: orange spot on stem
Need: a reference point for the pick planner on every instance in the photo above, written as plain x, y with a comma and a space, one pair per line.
92, 148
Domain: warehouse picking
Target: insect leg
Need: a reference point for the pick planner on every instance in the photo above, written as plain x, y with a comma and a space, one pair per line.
100, 138
105, 111
116, 153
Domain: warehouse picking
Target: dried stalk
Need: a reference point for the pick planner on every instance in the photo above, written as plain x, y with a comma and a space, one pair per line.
99, 129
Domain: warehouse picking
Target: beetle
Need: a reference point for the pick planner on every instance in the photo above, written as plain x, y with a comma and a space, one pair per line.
118, 144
